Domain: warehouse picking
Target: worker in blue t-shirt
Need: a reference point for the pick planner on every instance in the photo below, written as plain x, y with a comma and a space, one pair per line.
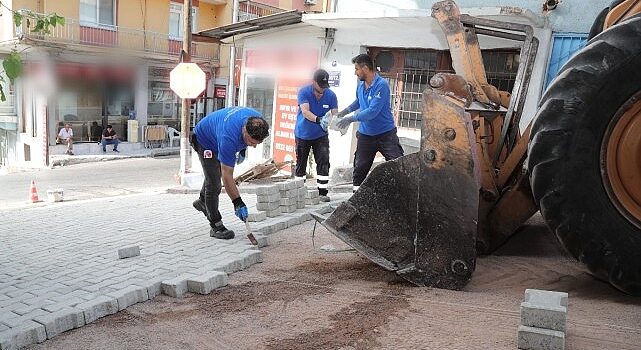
314, 102
217, 139
376, 132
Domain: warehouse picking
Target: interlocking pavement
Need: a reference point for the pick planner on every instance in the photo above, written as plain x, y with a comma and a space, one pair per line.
59, 264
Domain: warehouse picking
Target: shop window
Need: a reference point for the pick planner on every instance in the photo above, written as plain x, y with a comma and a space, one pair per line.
164, 106
98, 12
176, 20
260, 96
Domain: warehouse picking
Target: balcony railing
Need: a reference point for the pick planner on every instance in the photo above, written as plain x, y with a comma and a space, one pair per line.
73, 32
250, 9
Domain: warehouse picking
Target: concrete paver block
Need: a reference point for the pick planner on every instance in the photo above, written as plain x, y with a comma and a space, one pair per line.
299, 183
300, 204
544, 309
204, 284
273, 213
26, 334
153, 286
286, 185
257, 216
293, 193
288, 201
533, 338
129, 296
289, 208
268, 206
312, 201
99, 307
311, 194
274, 197
175, 287
266, 190
61, 321
128, 252
263, 240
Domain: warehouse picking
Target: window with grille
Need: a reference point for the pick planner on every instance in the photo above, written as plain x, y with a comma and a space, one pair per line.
408, 72
176, 20
98, 12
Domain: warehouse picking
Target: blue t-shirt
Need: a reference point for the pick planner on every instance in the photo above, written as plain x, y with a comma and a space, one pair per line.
375, 115
222, 132
308, 130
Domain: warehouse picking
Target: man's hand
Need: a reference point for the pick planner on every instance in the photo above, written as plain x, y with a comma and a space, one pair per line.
343, 113
240, 209
344, 122
324, 122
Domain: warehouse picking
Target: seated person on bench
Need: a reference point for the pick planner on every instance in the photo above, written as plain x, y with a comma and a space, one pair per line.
109, 137
65, 137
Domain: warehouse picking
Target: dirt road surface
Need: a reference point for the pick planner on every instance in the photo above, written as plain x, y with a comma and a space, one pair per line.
301, 297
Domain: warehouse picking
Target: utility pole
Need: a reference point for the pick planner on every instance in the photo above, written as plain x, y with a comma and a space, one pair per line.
231, 87
185, 154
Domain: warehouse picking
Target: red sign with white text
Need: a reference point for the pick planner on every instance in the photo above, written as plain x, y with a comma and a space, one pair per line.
284, 144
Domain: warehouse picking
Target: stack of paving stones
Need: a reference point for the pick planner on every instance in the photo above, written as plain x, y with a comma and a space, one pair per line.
290, 195
268, 200
543, 319
312, 197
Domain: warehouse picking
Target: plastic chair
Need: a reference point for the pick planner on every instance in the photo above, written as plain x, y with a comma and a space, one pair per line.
173, 134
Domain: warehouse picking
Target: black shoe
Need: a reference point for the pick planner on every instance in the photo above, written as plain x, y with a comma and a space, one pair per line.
117, 151
200, 206
221, 232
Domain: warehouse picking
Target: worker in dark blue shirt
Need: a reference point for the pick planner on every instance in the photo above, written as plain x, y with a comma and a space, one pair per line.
376, 132
314, 102
217, 139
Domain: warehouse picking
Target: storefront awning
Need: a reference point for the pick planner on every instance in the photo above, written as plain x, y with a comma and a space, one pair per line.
253, 25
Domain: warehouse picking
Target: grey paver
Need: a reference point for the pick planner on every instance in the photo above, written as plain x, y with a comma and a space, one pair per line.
257, 216
61, 321
273, 213
100, 306
544, 309
128, 252
204, 284
26, 334
266, 190
274, 197
129, 296
288, 201
532, 338
175, 287
268, 206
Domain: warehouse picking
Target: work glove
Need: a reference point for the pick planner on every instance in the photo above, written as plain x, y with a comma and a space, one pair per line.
324, 122
241, 156
342, 113
344, 122
240, 209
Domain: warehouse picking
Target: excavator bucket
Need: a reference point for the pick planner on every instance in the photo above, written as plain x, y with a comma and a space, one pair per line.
417, 215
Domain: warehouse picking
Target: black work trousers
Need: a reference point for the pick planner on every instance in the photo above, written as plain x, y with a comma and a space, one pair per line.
210, 191
366, 147
320, 147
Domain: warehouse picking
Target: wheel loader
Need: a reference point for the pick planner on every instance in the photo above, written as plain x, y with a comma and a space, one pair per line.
477, 177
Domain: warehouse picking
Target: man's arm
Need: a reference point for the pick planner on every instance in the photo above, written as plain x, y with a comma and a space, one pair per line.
304, 109
228, 181
381, 96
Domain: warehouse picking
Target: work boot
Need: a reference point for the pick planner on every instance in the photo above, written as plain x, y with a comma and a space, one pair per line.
323, 198
200, 206
221, 232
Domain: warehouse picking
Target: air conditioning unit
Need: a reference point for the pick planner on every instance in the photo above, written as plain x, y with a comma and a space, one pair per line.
310, 2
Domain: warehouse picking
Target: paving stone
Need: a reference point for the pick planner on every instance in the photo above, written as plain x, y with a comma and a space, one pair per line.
311, 194
286, 185
305, 217
263, 240
250, 258
268, 206
275, 197
204, 284
26, 334
273, 213
299, 183
128, 252
175, 287
98, 307
300, 204
544, 309
293, 221
293, 193
289, 209
312, 201
533, 338
288, 201
129, 296
266, 190
257, 216
61, 321
154, 287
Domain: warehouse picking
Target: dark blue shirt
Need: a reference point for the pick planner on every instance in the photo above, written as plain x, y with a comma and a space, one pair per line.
308, 130
375, 115
222, 132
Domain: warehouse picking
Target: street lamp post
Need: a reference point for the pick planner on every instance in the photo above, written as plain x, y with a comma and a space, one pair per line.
185, 158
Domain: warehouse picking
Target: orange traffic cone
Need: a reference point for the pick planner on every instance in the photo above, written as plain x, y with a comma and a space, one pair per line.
33, 193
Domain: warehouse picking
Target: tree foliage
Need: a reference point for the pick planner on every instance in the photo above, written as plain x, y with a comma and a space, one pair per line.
34, 22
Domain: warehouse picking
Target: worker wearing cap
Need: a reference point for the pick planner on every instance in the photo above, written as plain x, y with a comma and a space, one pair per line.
315, 101
217, 139
377, 131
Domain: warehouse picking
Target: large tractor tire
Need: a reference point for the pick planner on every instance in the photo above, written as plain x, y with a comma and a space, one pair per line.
584, 157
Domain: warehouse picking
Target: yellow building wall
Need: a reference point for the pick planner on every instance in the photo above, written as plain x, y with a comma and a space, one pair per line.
208, 16
131, 14
65, 8
157, 16
33, 5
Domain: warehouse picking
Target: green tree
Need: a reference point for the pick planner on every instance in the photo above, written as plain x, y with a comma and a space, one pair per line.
36, 23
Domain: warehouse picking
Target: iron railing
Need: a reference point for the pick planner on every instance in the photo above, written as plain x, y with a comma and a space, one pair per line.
249, 10
75, 32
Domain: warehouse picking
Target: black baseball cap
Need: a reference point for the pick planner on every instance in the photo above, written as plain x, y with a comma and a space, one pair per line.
321, 77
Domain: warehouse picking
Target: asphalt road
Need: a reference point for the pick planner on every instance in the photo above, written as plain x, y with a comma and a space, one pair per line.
91, 180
